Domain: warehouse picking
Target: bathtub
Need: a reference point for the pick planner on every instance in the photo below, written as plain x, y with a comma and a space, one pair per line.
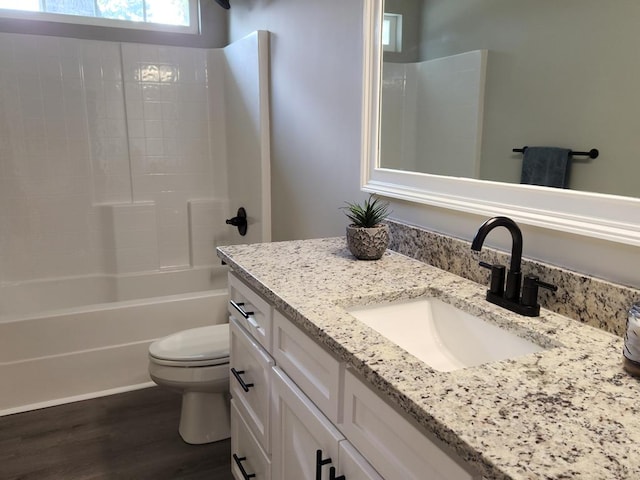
70, 339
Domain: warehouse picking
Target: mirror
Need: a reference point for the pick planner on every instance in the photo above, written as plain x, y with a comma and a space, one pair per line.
552, 75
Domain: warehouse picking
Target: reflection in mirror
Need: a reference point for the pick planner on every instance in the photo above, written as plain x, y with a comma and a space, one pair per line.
602, 116
464, 82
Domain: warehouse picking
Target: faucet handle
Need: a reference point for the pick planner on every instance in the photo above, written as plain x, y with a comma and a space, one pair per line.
530, 289
496, 285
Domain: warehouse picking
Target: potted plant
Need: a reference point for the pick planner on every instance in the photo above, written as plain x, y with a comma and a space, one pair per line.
367, 236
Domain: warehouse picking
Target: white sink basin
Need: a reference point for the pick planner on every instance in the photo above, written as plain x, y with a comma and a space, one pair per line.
441, 335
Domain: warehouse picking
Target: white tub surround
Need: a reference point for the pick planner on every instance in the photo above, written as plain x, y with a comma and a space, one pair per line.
568, 411
87, 337
113, 153
445, 97
120, 163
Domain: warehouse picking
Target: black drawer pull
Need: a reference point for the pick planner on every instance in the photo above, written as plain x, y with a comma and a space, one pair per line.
239, 461
238, 306
237, 373
332, 475
319, 463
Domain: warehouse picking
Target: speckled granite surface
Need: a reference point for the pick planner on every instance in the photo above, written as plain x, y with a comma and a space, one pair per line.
587, 299
569, 411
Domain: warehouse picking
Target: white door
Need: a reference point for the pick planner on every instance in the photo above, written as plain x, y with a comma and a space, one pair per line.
305, 443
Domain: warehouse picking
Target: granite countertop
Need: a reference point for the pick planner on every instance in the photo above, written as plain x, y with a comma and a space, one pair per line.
569, 411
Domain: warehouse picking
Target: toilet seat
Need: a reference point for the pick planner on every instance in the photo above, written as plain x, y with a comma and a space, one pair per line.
196, 347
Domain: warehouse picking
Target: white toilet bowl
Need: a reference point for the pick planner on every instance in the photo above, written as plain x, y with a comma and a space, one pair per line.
195, 363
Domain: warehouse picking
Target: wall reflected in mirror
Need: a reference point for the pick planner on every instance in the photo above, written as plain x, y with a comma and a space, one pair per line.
464, 82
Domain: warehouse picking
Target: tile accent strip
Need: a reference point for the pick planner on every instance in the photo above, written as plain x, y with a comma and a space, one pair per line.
590, 300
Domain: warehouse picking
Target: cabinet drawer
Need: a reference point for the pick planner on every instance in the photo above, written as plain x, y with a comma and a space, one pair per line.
395, 447
312, 368
245, 450
250, 381
252, 311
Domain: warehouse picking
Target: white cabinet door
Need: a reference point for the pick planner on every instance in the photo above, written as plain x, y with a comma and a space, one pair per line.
299, 432
394, 446
250, 381
354, 466
248, 460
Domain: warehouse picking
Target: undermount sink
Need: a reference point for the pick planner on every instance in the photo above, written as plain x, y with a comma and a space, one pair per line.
441, 335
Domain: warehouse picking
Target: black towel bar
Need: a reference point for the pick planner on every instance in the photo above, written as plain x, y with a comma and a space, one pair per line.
593, 153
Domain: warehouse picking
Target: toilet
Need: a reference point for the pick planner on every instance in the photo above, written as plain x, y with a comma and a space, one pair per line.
195, 363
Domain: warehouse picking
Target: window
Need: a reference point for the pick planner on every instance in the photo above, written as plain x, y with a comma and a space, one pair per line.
392, 32
165, 15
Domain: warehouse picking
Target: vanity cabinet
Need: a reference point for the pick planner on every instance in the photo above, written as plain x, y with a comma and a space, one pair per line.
250, 310
299, 414
250, 318
306, 445
310, 366
248, 459
250, 382
405, 451
353, 465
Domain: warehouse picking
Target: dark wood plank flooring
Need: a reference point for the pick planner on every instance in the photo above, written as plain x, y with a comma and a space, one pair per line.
132, 435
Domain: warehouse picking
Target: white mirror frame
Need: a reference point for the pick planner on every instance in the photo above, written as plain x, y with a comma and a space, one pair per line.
609, 217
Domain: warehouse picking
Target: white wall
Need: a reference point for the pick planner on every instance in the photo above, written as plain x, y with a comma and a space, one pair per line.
316, 73
316, 78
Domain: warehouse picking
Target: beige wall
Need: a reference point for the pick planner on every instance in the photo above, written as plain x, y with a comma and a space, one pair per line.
316, 72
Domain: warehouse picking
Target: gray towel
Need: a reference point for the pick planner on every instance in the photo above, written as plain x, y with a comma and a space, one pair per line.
546, 166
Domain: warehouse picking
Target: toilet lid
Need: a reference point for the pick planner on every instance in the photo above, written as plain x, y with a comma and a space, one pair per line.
196, 344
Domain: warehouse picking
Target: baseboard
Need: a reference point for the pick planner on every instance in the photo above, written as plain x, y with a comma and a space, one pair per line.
75, 398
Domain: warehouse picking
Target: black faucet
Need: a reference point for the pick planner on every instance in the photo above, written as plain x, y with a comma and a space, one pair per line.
509, 296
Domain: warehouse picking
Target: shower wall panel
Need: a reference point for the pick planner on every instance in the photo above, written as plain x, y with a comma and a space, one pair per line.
432, 115
167, 94
89, 129
46, 214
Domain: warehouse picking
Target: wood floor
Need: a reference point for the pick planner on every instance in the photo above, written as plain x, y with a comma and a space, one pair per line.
132, 435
